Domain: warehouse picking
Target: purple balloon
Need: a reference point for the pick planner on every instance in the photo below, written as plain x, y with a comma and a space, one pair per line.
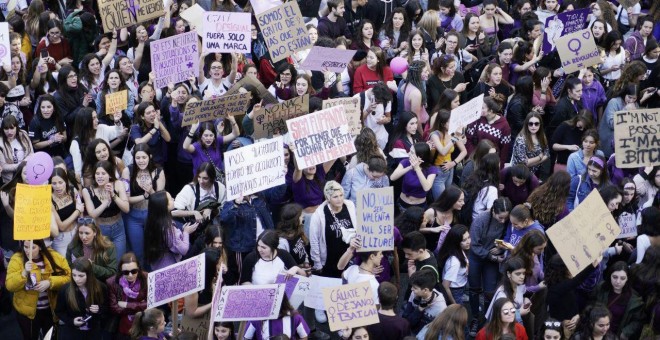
38, 168
399, 65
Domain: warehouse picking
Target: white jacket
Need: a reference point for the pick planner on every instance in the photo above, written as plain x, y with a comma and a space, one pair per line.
317, 233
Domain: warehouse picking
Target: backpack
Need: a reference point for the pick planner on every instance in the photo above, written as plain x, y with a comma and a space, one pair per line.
472, 74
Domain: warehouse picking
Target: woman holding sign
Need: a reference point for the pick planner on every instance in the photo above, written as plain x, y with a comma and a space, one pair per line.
35, 275
211, 143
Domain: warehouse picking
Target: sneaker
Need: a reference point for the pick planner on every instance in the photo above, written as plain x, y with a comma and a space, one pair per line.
317, 334
474, 328
320, 316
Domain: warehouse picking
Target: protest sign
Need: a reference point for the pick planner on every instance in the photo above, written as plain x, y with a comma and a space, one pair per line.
466, 114
322, 58
253, 168
582, 236
637, 138
199, 326
175, 281
266, 97
350, 306
628, 224
295, 288
116, 102
262, 301
260, 6
561, 24
321, 136
375, 213
215, 108
194, 15
175, 59
32, 211
5, 44
117, 14
353, 111
284, 31
314, 298
578, 50
227, 32
270, 119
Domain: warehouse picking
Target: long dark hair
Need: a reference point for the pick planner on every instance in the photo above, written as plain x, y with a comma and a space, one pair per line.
607, 279
85, 73
404, 31
83, 128
140, 147
414, 77
72, 97
488, 174
141, 275
139, 116
452, 246
289, 225
525, 249
45, 254
510, 266
158, 232
495, 327
56, 117
90, 159
410, 220
400, 129
447, 199
94, 291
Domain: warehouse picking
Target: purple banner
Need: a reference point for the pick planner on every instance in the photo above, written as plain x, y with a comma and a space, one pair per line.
244, 303
562, 24
175, 281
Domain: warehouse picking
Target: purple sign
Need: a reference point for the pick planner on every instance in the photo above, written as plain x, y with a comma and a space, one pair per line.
245, 303
289, 285
562, 24
175, 59
175, 281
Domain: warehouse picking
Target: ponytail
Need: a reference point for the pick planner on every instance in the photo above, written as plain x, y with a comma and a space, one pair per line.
144, 321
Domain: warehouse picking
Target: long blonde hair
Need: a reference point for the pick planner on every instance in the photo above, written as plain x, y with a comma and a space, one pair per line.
429, 23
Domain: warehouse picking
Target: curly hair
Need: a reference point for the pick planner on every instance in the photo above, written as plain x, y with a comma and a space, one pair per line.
549, 199
629, 75
366, 145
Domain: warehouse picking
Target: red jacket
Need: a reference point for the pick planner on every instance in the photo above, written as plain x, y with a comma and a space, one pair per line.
116, 294
521, 334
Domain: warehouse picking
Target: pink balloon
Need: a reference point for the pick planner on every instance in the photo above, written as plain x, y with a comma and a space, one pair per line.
399, 65
38, 168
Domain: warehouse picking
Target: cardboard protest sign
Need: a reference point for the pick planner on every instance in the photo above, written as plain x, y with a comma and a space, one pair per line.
350, 306
321, 136
578, 50
215, 108
322, 58
375, 213
117, 14
353, 112
175, 59
295, 289
628, 224
245, 303
266, 97
637, 138
284, 31
227, 32
466, 114
254, 168
5, 44
175, 281
561, 24
582, 236
271, 119
194, 15
260, 6
314, 298
32, 212
116, 102
199, 326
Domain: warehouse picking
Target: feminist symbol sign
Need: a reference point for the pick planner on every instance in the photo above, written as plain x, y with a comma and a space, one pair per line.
577, 50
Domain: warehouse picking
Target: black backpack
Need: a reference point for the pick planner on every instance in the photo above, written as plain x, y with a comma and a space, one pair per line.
473, 73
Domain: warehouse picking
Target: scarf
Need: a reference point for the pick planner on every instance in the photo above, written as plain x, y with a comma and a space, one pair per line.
131, 292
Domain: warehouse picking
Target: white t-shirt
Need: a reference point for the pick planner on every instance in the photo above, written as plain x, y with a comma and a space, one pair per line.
643, 243
484, 200
208, 89
624, 13
352, 275
454, 272
371, 121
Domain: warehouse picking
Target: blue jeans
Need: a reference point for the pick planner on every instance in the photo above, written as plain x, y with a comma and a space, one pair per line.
483, 276
442, 180
457, 294
115, 232
135, 220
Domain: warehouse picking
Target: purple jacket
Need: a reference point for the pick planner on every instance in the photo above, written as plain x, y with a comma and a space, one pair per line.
593, 96
635, 45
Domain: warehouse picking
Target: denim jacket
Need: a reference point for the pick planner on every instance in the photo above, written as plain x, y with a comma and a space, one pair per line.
580, 189
240, 221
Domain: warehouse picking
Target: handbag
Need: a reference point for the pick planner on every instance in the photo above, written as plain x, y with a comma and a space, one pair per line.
219, 174
127, 156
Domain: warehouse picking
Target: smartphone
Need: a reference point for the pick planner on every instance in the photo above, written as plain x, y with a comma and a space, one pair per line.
44, 53
499, 241
87, 318
651, 89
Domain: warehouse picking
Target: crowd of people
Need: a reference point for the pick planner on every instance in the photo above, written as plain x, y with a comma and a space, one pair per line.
133, 191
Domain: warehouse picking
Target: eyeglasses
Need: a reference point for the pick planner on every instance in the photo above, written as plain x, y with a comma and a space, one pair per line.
85, 220
534, 124
509, 311
552, 324
129, 272
72, 76
55, 33
285, 74
216, 67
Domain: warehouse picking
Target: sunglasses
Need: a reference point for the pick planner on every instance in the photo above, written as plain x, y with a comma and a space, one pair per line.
534, 124
85, 220
509, 311
131, 272
552, 324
